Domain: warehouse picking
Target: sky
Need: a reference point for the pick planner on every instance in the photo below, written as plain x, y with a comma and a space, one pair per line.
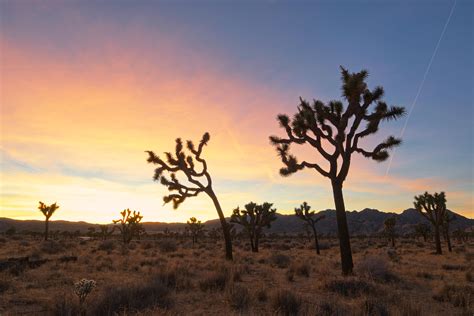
87, 86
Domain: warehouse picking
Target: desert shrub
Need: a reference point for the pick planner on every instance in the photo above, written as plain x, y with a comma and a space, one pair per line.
330, 307
24, 243
425, 275
3, 240
5, 283
133, 297
177, 276
290, 275
147, 245
323, 245
469, 277
215, 280
280, 246
375, 268
238, 298
65, 305
453, 267
105, 265
280, 260
303, 269
350, 287
51, 247
374, 307
393, 255
106, 245
285, 302
458, 295
167, 245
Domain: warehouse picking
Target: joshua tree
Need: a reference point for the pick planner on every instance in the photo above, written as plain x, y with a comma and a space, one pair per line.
105, 232
47, 211
423, 230
389, 229
129, 224
198, 180
448, 218
433, 208
304, 213
195, 227
335, 132
253, 219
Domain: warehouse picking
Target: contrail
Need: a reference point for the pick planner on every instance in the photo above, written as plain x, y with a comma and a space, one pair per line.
421, 84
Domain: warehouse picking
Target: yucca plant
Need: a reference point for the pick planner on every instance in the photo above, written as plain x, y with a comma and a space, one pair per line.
305, 214
433, 208
48, 211
336, 131
129, 224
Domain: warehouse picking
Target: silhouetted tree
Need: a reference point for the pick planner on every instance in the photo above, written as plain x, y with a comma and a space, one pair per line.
253, 219
129, 224
198, 180
304, 213
335, 132
423, 230
48, 211
195, 227
448, 218
389, 229
433, 208
105, 232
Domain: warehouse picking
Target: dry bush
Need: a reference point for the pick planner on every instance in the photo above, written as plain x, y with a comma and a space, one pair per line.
167, 245
453, 267
238, 297
350, 287
290, 275
132, 297
65, 305
285, 302
215, 280
176, 276
261, 294
458, 295
107, 245
376, 268
280, 260
51, 247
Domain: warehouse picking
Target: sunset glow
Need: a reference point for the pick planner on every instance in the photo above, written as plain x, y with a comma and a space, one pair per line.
86, 89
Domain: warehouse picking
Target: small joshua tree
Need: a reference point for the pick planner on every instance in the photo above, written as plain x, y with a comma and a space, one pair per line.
433, 208
198, 180
304, 213
129, 224
47, 211
336, 133
423, 230
105, 232
195, 227
389, 229
82, 289
448, 218
253, 219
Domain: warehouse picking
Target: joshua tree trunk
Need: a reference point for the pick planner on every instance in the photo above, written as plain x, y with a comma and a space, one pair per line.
316, 243
255, 244
342, 229
437, 239
393, 241
46, 229
448, 240
225, 226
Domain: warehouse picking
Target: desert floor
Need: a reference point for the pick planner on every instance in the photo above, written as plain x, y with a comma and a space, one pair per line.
171, 277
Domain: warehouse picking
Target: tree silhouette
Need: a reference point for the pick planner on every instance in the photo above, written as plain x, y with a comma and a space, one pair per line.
253, 218
48, 211
335, 132
105, 232
389, 229
433, 208
129, 224
198, 180
304, 213
423, 230
195, 227
448, 218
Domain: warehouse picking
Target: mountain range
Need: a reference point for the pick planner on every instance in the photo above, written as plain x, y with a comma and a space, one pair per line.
365, 222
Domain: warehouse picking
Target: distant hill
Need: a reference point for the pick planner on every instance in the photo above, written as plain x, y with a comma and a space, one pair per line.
365, 222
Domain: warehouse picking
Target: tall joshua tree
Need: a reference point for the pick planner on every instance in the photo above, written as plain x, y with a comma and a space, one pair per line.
335, 132
198, 180
48, 211
253, 218
389, 229
433, 208
304, 213
195, 227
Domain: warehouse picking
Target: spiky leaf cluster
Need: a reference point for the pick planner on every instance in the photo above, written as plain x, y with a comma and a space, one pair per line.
129, 224
304, 213
432, 206
47, 210
198, 179
254, 216
339, 127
